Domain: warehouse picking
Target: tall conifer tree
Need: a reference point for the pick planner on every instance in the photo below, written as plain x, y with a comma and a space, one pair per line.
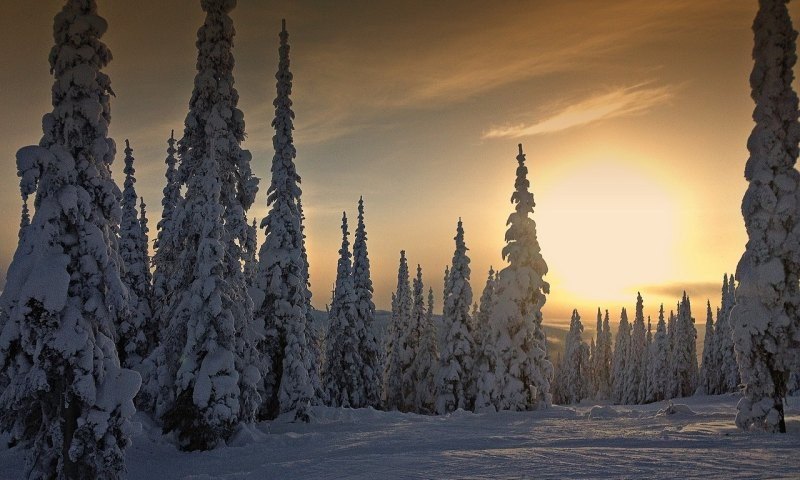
369, 350
343, 380
523, 370
64, 396
210, 342
282, 271
765, 320
454, 385
136, 333
399, 341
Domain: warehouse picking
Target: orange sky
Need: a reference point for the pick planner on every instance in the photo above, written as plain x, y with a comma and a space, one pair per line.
634, 116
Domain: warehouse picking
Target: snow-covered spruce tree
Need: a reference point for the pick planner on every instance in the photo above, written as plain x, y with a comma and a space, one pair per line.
412, 367
591, 378
314, 335
156, 374
145, 248
730, 377
619, 366
765, 318
284, 309
483, 371
64, 396
342, 379
721, 329
635, 373
454, 386
137, 332
250, 254
644, 386
190, 356
605, 378
709, 369
684, 353
672, 384
597, 357
426, 361
523, 369
399, 341
573, 376
368, 349
206, 408
446, 283
659, 366
168, 239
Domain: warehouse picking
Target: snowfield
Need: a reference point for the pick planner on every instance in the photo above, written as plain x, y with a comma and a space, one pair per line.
697, 440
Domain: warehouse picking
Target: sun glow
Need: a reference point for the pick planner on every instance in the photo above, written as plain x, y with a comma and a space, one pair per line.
606, 230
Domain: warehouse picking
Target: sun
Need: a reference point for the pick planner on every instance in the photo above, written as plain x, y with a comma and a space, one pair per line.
607, 229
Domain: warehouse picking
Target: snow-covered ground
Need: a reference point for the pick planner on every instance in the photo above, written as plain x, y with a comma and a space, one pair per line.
698, 440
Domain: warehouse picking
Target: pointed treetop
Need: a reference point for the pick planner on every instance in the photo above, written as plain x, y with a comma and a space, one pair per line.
284, 36
128, 170
344, 226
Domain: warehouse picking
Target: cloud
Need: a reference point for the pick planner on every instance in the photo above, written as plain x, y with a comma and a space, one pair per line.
616, 103
698, 291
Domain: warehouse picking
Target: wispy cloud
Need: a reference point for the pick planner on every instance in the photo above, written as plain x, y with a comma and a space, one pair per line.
699, 291
616, 103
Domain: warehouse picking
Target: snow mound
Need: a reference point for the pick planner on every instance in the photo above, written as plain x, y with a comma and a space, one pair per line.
602, 412
247, 434
676, 409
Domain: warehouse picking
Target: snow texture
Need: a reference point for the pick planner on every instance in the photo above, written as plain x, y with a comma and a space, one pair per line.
587, 441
